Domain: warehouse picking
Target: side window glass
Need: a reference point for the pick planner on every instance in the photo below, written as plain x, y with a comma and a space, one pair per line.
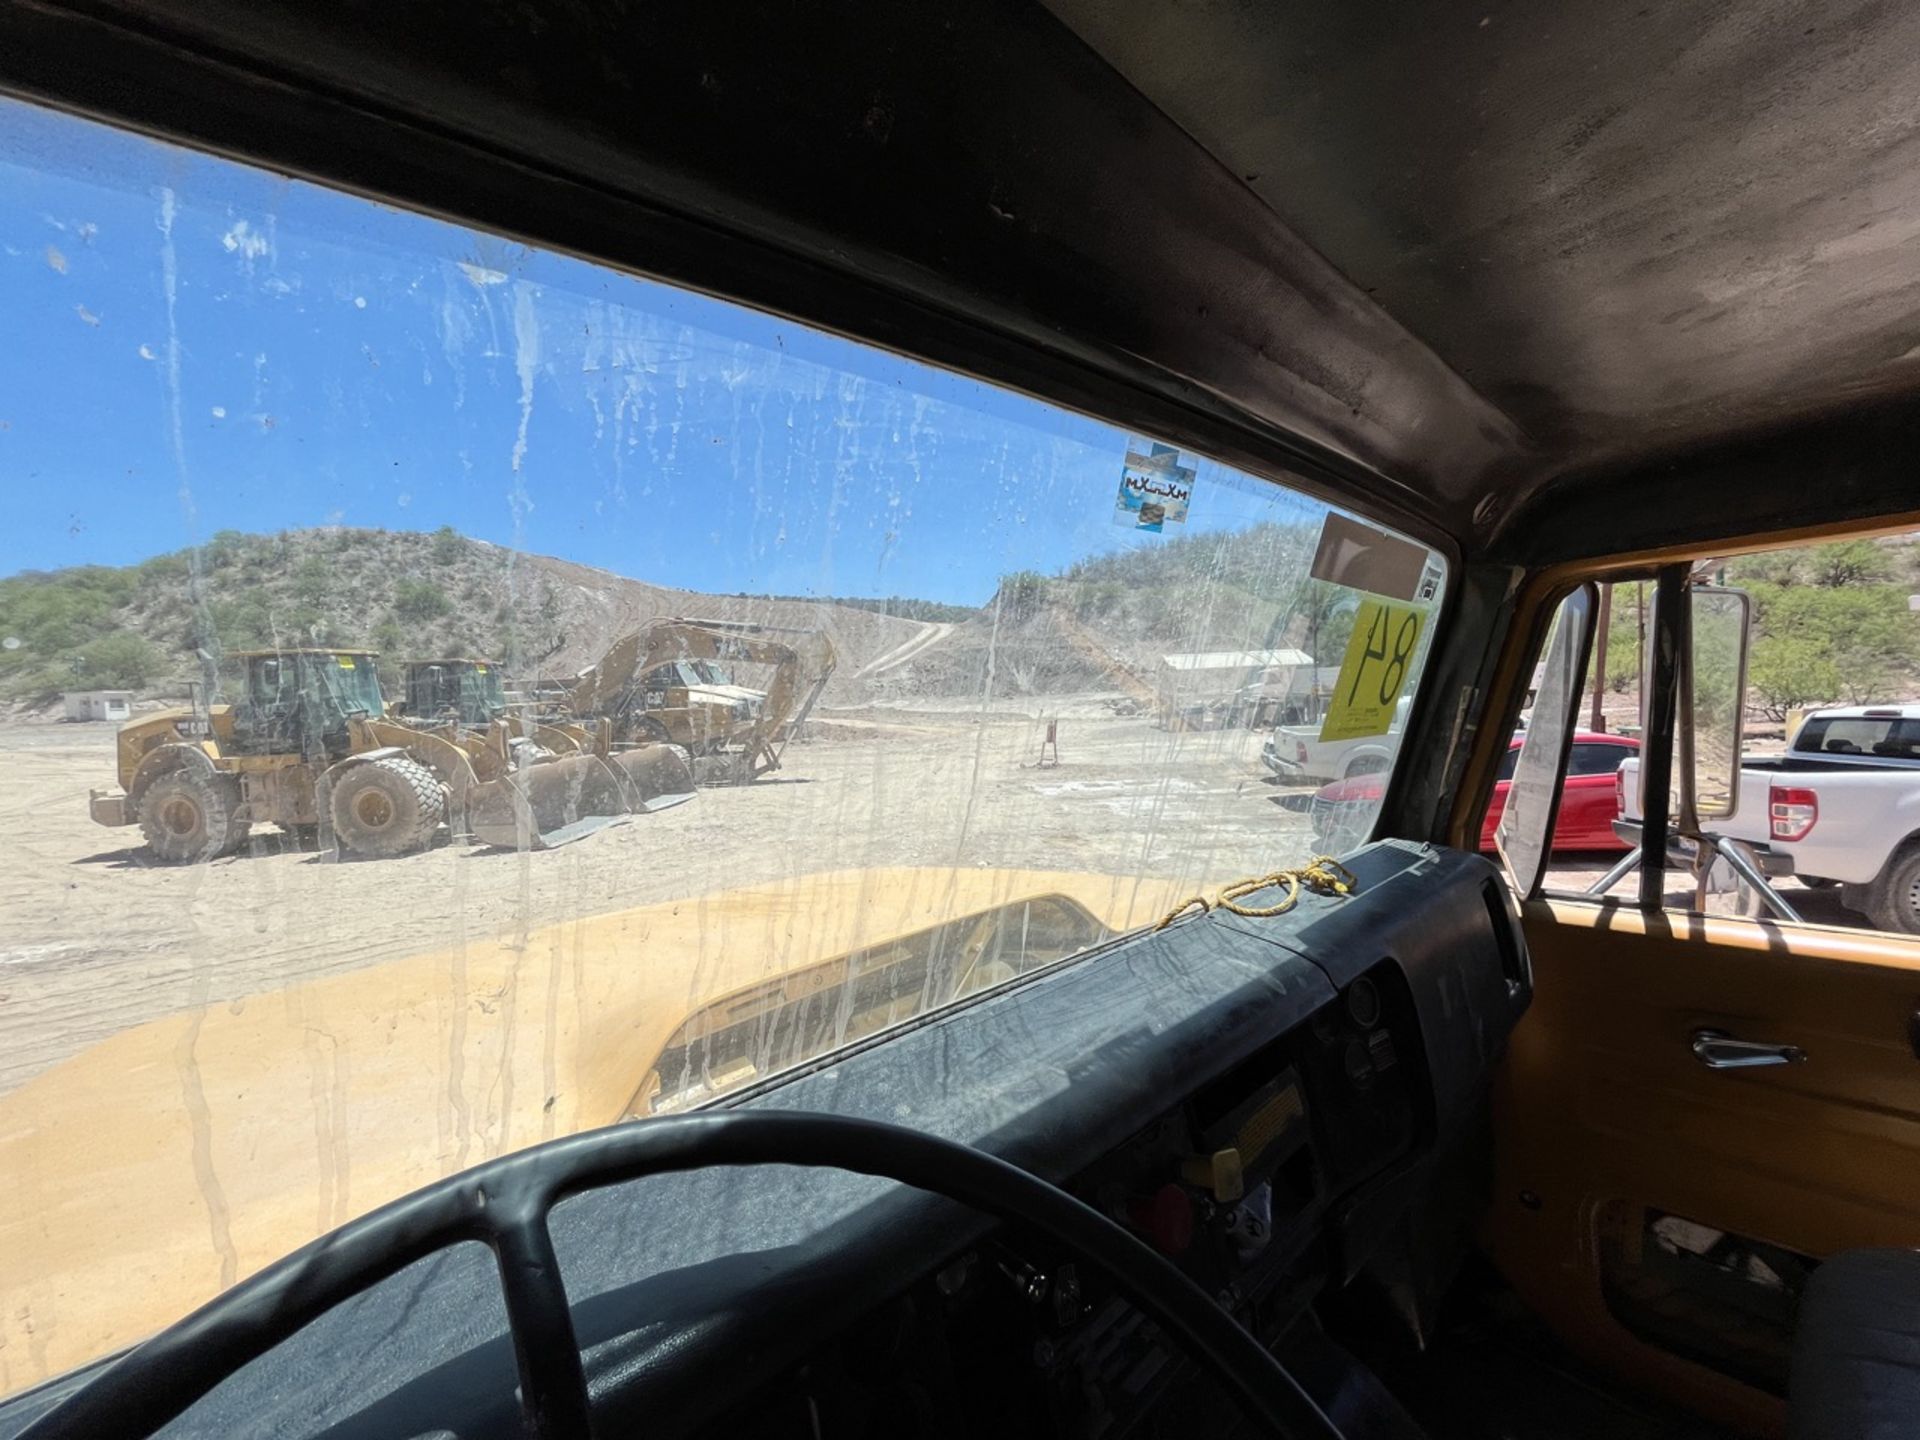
1595, 758
1828, 762
1525, 835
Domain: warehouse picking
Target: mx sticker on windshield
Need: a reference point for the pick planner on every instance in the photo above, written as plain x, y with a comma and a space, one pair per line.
1154, 490
1379, 658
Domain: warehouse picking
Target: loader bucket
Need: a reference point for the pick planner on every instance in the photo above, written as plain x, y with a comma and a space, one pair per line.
548, 804
655, 777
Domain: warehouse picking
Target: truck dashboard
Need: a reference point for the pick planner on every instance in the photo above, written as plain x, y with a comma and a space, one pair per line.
1276, 1105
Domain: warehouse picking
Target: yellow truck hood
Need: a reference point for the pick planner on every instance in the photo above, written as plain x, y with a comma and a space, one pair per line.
154, 1169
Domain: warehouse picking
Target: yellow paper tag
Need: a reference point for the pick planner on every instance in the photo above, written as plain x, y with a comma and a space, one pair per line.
346, 664
479, 669
1374, 672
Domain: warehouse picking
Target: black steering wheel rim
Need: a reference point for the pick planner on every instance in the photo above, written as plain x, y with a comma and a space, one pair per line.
504, 1204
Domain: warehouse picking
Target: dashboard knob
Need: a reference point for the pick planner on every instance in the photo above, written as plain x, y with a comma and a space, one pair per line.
1363, 1003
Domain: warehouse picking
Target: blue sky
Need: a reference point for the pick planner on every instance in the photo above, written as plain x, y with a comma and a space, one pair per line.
195, 346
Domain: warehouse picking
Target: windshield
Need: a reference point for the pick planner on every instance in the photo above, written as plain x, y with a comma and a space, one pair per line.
1040, 658
350, 683
481, 691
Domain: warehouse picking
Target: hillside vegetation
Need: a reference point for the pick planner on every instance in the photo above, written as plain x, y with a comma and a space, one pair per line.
408, 595
412, 595
1105, 622
1831, 625
140, 626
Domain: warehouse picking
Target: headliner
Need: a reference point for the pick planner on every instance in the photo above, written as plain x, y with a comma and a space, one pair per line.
1547, 281
1623, 226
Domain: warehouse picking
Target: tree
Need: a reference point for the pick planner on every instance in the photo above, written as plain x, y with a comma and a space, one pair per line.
418, 600
1624, 632
1815, 644
1325, 614
1022, 593
1849, 563
312, 578
447, 546
223, 548
1790, 672
239, 623
1770, 567
116, 662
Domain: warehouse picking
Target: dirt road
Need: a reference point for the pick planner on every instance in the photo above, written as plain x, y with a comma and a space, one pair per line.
94, 938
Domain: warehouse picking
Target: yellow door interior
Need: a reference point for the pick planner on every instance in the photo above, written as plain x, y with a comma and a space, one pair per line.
1605, 1118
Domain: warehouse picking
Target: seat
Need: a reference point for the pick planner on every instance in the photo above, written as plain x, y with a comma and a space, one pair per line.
1856, 1350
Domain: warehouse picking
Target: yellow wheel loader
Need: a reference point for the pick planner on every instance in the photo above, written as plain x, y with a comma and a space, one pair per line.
307, 745
672, 681
463, 701
540, 784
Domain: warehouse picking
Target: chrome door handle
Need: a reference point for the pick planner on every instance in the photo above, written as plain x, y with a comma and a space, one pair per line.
1718, 1050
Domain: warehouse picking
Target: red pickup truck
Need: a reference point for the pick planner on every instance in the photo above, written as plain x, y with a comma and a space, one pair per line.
1589, 800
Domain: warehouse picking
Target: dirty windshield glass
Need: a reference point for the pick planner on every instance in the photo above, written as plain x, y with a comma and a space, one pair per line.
976, 684
353, 680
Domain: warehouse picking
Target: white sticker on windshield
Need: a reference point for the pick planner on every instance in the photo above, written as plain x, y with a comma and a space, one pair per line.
1154, 490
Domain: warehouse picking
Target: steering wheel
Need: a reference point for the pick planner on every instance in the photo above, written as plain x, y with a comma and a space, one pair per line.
504, 1204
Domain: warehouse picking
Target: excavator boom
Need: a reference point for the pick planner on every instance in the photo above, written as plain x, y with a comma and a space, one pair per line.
801, 660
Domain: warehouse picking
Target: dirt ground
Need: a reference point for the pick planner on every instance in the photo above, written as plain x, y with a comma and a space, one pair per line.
95, 938
1573, 874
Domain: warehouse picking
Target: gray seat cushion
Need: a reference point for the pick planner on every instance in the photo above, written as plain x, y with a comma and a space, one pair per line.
1856, 1349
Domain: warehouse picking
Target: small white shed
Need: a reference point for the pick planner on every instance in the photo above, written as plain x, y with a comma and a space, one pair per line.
98, 704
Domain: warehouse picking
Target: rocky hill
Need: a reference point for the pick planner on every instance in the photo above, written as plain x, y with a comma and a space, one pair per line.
1103, 624
1099, 626
403, 593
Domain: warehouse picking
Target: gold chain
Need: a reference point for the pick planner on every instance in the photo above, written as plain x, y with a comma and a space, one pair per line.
1323, 875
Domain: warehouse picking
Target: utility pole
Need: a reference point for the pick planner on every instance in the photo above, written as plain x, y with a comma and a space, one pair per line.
1640, 640
1599, 724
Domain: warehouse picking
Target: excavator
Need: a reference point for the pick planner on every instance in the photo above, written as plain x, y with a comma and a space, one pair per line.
307, 744
669, 682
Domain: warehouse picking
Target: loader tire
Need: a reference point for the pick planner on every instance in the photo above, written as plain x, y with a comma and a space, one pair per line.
189, 818
387, 807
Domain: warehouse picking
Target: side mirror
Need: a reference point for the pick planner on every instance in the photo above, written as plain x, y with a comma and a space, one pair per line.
1711, 714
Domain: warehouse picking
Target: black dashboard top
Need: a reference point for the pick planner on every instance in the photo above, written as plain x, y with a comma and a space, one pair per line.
1053, 1073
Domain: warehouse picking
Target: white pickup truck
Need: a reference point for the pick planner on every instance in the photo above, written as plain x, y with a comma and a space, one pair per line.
1296, 752
1841, 806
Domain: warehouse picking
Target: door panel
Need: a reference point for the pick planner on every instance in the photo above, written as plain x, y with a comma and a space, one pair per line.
1602, 1111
